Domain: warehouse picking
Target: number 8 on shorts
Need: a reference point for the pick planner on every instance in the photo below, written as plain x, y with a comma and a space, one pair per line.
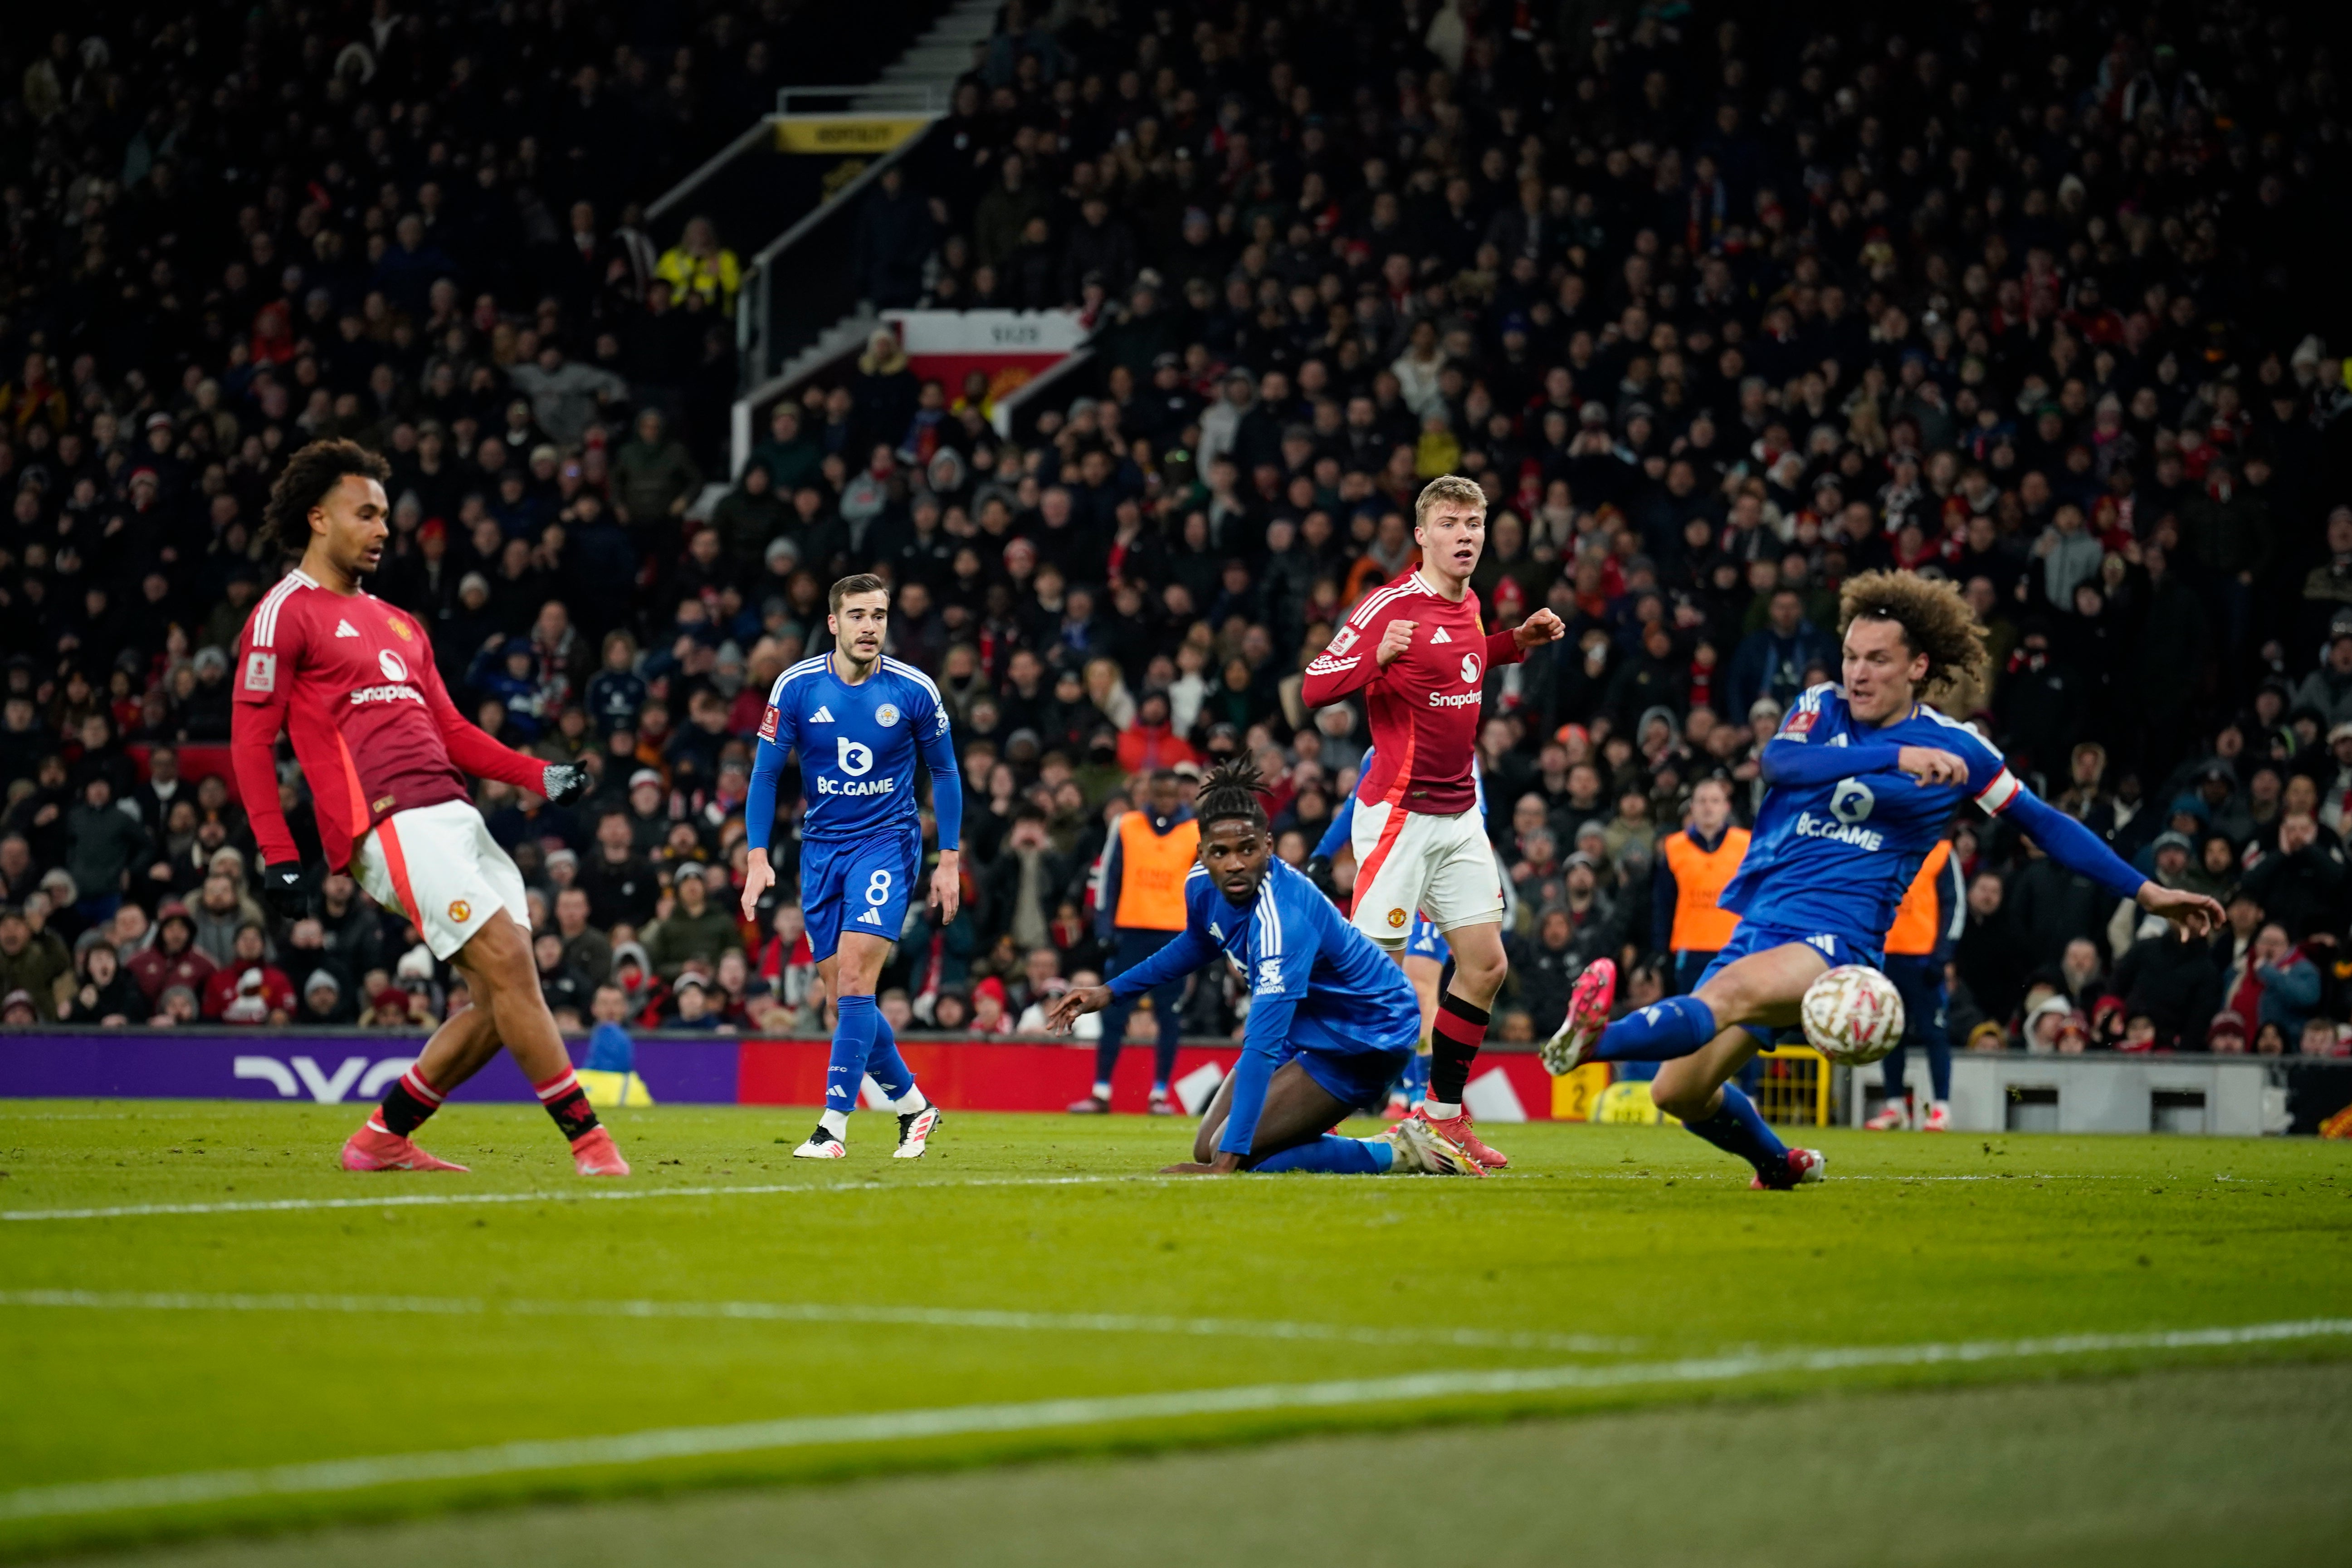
858, 885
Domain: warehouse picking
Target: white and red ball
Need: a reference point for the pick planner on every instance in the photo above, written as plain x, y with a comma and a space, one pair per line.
1852, 1014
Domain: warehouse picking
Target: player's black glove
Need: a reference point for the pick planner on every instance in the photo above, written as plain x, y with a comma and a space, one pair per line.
285, 890
566, 782
1318, 871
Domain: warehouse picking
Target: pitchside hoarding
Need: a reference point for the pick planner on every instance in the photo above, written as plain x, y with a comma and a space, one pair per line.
355, 1066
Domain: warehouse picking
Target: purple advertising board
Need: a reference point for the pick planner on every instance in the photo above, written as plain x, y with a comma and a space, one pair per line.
327, 1067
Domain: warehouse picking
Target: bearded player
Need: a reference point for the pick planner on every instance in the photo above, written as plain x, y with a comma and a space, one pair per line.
1859, 784
386, 756
861, 721
1418, 652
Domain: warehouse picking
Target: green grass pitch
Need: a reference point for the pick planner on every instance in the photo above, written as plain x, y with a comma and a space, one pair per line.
207, 1329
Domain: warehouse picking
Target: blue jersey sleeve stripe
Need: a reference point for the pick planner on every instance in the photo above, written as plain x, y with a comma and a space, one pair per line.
776, 692
899, 666
1268, 919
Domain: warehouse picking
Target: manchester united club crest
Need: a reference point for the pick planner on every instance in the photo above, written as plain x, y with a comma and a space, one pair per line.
1396, 919
460, 911
399, 627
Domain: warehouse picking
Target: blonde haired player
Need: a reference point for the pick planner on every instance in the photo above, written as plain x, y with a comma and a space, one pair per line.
1417, 650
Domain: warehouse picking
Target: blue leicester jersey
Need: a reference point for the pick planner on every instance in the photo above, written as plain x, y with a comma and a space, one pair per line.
858, 747
1842, 832
1317, 985
1326, 981
1294, 946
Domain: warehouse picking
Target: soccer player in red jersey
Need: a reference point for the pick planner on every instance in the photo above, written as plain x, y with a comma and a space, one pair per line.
1417, 650
386, 756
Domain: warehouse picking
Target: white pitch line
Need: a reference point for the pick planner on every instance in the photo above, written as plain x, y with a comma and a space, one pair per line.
329, 1476
12, 1116
574, 1195
815, 1312
623, 1194
1697, 1176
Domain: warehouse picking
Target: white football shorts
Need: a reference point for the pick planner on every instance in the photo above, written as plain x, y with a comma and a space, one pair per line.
1411, 860
439, 865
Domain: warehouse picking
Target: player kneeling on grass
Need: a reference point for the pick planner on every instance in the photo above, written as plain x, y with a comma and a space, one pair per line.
1859, 785
1331, 1020
386, 755
858, 720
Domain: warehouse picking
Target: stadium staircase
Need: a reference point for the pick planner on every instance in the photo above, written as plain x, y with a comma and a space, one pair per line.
795, 315
799, 314
941, 55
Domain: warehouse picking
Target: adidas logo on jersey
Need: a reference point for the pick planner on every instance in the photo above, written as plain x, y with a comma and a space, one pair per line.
822, 716
1439, 636
870, 917
345, 629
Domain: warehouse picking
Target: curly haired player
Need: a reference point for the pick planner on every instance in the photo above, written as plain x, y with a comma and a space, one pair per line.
1859, 784
386, 754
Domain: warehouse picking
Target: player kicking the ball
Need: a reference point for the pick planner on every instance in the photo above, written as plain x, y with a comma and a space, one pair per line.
1859, 785
1416, 650
386, 755
858, 720
1331, 1021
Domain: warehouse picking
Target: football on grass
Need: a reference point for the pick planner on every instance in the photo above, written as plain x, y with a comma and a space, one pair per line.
1852, 1014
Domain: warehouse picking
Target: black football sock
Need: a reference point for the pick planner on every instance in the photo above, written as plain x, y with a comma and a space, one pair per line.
568, 1103
1454, 1041
404, 1109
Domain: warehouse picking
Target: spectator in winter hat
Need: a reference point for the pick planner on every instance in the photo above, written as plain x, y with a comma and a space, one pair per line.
322, 1000
2226, 1034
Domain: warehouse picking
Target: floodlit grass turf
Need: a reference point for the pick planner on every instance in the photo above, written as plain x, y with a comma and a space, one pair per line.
2041, 1473
1640, 1237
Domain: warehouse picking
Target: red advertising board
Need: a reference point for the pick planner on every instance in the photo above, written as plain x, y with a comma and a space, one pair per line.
1024, 1075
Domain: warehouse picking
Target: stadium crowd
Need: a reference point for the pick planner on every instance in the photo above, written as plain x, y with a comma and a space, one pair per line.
1719, 306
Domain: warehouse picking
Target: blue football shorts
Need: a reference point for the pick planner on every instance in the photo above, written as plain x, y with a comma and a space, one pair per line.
1753, 936
859, 884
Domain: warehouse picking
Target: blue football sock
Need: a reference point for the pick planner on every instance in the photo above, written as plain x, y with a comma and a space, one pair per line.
1417, 1079
888, 1067
1740, 1129
852, 1042
1332, 1154
1939, 1066
1658, 1033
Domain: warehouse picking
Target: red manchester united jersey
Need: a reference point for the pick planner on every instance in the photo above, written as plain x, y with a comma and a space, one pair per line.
353, 679
1424, 704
